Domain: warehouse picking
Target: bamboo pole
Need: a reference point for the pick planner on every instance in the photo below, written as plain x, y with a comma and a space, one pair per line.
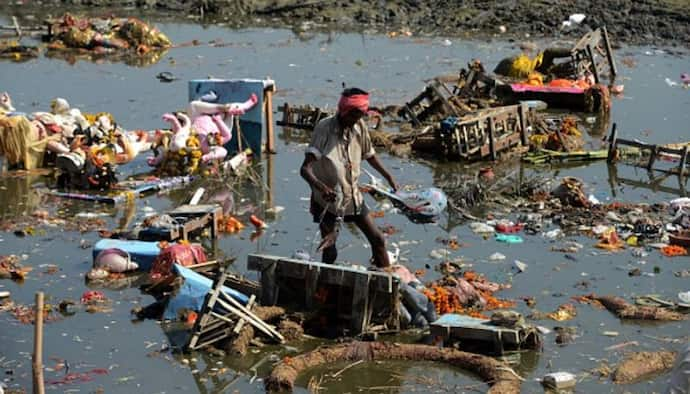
270, 136
38, 346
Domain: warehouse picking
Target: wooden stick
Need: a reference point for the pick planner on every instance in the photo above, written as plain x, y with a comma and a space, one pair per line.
16, 26
248, 315
335, 375
242, 312
270, 137
38, 346
197, 196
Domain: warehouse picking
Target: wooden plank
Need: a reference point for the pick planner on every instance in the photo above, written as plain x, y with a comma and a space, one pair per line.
311, 282
683, 161
207, 309
523, 111
268, 109
240, 323
652, 156
360, 304
595, 71
613, 69
612, 144
269, 288
241, 312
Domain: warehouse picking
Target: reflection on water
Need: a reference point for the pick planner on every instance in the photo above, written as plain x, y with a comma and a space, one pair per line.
131, 59
18, 194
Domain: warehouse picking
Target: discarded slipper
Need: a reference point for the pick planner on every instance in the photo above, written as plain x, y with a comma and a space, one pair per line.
166, 76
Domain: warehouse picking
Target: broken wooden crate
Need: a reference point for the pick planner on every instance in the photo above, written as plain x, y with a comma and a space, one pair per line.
362, 299
302, 117
592, 55
437, 99
223, 313
190, 219
482, 135
469, 330
649, 154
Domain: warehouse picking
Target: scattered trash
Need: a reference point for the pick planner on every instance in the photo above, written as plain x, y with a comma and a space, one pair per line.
497, 257
257, 223
610, 333
520, 266
166, 76
509, 239
559, 380
685, 297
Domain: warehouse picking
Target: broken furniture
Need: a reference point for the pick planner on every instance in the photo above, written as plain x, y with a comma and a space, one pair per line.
224, 311
436, 99
453, 327
188, 219
651, 157
361, 299
592, 55
480, 135
651, 154
303, 117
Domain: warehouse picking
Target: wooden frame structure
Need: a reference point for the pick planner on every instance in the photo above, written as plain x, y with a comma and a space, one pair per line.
486, 133
223, 316
436, 98
592, 54
653, 151
369, 290
453, 327
193, 218
302, 117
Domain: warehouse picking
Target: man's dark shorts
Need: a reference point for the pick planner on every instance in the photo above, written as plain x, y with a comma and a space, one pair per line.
329, 218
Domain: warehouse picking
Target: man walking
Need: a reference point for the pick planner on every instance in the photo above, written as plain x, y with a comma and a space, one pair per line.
332, 166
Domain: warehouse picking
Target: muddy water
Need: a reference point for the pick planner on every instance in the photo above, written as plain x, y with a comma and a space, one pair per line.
310, 69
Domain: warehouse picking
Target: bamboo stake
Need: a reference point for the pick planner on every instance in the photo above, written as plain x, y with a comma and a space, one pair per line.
17, 29
38, 346
270, 136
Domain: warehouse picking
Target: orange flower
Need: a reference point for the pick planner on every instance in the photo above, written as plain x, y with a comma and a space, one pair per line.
674, 250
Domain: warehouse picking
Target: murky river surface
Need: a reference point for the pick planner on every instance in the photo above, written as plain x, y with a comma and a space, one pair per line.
310, 70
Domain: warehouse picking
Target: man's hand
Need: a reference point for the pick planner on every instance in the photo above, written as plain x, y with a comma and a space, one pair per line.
328, 193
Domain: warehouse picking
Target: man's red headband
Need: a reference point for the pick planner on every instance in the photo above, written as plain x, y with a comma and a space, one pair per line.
356, 101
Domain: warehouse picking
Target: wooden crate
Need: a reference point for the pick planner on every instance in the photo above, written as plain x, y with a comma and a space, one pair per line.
304, 117
592, 55
366, 293
192, 218
486, 133
453, 327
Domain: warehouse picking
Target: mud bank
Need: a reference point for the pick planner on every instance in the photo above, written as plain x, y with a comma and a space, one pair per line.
649, 22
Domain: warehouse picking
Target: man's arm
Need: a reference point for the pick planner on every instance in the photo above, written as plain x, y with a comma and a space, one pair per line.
374, 162
308, 175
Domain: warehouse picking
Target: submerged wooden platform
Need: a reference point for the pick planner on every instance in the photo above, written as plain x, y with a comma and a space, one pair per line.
452, 327
363, 298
